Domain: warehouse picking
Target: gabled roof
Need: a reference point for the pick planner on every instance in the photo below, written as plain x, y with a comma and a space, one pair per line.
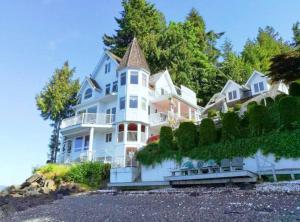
90, 81
113, 56
232, 82
94, 83
254, 74
153, 78
134, 57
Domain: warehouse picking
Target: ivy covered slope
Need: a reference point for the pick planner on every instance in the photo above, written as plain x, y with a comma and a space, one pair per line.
273, 126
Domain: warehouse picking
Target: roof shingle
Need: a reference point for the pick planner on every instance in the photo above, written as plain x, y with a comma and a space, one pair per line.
134, 57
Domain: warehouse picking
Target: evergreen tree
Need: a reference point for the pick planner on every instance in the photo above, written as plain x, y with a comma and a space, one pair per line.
142, 20
233, 66
259, 52
55, 102
296, 37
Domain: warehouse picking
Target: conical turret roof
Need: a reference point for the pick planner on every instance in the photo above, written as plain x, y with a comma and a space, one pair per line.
134, 57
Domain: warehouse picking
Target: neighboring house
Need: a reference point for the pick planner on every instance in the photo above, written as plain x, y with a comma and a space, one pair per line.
257, 87
120, 106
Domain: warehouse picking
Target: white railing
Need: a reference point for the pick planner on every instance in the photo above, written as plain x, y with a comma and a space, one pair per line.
88, 118
157, 118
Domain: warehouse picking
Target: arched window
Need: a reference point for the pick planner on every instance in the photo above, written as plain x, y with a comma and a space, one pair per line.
132, 127
88, 93
132, 132
121, 128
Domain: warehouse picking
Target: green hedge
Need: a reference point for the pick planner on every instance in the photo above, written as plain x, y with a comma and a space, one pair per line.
166, 138
230, 126
289, 108
294, 89
258, 119
267, 101
187, 137
207, 132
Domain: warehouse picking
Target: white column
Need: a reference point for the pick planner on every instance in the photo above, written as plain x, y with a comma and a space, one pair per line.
190, 113
178, 108
90, 151
147, 132
139, 130
125, 132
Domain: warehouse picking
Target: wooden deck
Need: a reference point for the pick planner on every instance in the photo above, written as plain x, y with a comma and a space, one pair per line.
240, 176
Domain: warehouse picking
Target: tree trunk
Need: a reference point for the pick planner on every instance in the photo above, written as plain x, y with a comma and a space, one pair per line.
56, 147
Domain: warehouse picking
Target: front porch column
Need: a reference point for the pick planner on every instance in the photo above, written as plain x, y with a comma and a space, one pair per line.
90, 151
178, 108
139, 134
190, 113
146, 133
125, 132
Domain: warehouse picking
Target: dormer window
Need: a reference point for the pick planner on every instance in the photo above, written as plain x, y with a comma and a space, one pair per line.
107, 67
258, 87
134, 78
232, 95
88, 93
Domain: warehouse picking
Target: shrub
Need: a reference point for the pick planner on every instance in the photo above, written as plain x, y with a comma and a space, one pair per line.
186, 136
212, 113
289, 109
273, 116
279, 97
166, 138
294, 89
149, 154
266, 101
258, 120
89, 173
52, 171
231, 126
237, 107
251, 105
207, 132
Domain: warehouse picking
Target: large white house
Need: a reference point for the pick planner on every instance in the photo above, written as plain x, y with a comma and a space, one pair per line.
120, 106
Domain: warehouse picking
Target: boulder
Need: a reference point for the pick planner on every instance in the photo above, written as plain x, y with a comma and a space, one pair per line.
50, 184
34, 178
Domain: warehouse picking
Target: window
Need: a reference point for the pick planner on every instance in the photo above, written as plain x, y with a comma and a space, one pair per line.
144, 103
261, 86
107, 89
123, 78
134, 78
88, 93
108, 137
78, 144
115, 86
107, 68
86, 142
162, 91
108, 120
144, 80
92, 109
232, 95
113, 112
69, 146
122, 102
256, 89
121, 133
133, 102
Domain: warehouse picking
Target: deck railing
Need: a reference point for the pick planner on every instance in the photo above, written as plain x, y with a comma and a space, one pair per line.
157, 118
88, 118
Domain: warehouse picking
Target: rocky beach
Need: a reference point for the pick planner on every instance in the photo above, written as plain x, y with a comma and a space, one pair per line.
263, 202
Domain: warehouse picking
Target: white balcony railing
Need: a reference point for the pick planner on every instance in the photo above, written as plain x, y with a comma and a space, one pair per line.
88, 118
158, 118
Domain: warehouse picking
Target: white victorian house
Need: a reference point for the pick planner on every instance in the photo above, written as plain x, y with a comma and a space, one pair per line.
120, 106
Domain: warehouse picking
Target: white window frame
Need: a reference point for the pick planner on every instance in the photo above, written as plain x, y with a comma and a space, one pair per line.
137, 102
144, 80
144, 103
134, 75
90, 95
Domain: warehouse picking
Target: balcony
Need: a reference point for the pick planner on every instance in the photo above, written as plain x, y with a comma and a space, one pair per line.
158, 118
88, 119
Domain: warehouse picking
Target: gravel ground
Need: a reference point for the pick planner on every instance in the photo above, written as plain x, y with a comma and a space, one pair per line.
189, 204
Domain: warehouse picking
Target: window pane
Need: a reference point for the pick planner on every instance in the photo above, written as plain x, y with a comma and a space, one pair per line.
230, 95
115, 86
88, 93
86, 142
133, 102
123, 78
122, 102
256, 87
92, 109
261, 86
107, 89
78, 143
134, 78
234, 94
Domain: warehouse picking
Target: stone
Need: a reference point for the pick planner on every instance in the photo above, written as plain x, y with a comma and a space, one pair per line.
34, 178
50, 184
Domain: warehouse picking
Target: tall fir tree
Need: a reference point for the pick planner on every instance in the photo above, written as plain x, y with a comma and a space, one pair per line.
233, 66
258, 52
142, 20
296, 35
55, 102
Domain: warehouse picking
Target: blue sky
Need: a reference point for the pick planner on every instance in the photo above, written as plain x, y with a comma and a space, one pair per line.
36, 36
